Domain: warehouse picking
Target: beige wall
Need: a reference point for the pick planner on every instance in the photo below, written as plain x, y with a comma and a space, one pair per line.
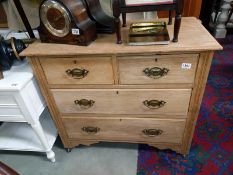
14, 20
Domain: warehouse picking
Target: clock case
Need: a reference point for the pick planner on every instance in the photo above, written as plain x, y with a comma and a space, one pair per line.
104, 22
80, 21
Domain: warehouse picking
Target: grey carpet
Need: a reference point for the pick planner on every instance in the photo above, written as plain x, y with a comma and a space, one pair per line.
98, 159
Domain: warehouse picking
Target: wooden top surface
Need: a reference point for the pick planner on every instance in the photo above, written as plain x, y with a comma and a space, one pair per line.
193, 37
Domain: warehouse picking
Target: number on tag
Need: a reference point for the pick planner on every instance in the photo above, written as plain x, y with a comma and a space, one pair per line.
75, 32
186, 65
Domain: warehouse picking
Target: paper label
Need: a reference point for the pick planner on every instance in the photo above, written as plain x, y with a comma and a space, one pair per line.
186, 65
75, 32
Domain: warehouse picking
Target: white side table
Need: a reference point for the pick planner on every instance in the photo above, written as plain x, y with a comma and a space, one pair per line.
21, 105
220, 30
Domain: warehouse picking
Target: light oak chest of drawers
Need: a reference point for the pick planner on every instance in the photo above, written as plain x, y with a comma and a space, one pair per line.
120, 93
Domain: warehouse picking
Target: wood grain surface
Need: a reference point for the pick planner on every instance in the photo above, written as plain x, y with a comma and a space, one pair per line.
125, 129
99, 69
193, 37
122, 101
131, 71
118, 87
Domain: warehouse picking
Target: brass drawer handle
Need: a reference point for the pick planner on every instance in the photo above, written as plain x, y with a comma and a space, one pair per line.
77, 73
154, 104
91, 129
152, 132
84, 103
155, 72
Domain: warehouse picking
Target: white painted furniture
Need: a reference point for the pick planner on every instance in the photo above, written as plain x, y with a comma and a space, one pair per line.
220, 30
21, 105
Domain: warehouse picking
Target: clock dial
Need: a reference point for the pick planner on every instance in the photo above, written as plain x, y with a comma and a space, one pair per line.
55, 18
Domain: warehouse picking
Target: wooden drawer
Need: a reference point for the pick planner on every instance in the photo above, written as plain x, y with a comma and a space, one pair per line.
80, 70
122, 101
157, 69
130, 129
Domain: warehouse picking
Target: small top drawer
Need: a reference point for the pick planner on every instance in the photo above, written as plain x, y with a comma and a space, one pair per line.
7, 100
78, 70
157, 69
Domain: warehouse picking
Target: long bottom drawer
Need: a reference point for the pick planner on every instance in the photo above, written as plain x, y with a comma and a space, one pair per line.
126, 129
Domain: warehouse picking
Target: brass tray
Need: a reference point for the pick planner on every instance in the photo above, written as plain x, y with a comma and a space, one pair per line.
147, 28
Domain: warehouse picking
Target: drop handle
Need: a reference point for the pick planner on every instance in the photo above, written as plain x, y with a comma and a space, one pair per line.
152, 132
91, 129
155, 72
84, 103
77, 73
154, 104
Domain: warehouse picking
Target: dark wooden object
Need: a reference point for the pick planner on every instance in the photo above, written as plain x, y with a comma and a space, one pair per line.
119, 7
104, 22
79, 21
24, 18
230, 14
191, 8
6, 170
208, 6
3, 18
1, 74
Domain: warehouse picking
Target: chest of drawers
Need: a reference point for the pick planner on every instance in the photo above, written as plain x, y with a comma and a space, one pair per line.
119, 93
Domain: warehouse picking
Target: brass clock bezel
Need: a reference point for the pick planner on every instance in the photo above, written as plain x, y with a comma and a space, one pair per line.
46, 5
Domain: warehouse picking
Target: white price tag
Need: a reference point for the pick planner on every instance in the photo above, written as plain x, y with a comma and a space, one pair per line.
75, 32
186, 65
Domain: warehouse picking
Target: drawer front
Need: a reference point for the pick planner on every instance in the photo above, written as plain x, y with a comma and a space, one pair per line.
157, 69
123, 101
97, 70
10, 111
7, 100
133, 129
